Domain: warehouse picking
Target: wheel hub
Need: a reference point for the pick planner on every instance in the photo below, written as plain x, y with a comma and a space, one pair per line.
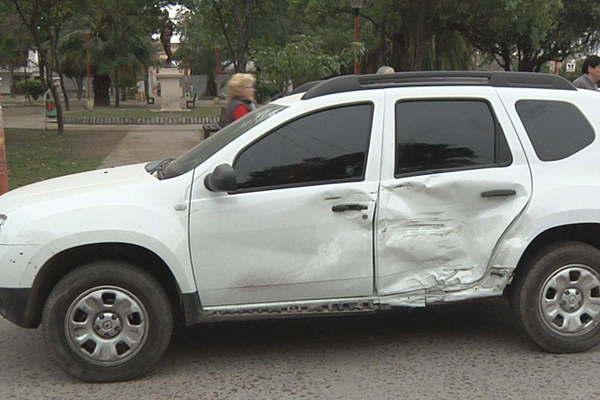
107, 324
571, 299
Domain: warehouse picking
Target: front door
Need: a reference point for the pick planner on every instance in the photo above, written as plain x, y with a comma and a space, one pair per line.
454, 177
300, 225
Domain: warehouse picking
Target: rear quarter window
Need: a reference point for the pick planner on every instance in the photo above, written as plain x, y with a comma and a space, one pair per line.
556, 129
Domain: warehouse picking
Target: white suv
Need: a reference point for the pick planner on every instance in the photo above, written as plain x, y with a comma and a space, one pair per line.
361, 194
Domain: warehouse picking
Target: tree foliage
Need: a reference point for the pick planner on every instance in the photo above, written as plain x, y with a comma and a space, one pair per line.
525, 34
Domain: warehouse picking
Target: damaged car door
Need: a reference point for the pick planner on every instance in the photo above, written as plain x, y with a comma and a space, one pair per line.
454, 177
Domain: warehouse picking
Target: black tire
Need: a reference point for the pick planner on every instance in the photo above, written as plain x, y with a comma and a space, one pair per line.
528, 286
118, 275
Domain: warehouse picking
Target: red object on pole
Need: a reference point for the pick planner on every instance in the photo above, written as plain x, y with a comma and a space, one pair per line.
3, 164
356, 39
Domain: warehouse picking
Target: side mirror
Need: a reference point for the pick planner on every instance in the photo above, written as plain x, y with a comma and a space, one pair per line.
222, 179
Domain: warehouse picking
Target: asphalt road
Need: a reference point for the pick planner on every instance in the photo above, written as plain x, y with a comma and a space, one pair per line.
459, 351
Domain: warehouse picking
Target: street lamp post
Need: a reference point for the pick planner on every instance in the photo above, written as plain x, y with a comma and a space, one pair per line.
356, 5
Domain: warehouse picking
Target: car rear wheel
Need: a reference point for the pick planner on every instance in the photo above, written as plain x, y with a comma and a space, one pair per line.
557, 300
107, 321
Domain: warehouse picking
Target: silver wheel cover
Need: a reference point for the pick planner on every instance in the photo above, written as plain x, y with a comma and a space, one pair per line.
106, 325
569, 302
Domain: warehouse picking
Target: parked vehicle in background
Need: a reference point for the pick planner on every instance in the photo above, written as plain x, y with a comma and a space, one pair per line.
362, 194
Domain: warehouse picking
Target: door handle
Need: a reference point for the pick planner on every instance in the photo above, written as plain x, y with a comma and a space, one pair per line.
348, 207
499, 193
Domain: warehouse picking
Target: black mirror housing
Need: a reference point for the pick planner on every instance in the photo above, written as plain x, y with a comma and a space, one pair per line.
222, 179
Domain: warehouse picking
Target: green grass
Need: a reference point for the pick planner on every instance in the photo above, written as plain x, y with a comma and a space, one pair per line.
35, 155
144, 112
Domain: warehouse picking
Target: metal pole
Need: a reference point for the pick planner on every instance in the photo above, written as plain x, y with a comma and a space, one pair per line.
356, 38
3, 164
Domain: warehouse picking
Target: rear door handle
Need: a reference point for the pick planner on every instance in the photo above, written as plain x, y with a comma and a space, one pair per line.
348, 207
499, 193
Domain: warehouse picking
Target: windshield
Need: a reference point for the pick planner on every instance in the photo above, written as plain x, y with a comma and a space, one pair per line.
216, 142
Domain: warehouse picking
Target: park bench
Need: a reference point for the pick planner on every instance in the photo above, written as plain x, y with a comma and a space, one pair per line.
210, 128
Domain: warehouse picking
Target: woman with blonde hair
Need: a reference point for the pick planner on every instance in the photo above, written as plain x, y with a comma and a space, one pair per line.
240, 98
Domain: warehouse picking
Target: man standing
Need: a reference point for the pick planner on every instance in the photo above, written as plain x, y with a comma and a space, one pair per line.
591, 74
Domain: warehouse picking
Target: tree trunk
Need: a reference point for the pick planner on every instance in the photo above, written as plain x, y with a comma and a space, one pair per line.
399, 57
41, 70
116, 89
11, 76
422, 39
64, 90
146, 85
527, 62
101, 85
79, 84
506, 58
211, 84
49, 82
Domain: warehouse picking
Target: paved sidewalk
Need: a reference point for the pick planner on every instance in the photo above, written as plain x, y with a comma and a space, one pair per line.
141, 142
153, 142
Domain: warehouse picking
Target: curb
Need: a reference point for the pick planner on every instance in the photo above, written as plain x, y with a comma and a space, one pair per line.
141, 120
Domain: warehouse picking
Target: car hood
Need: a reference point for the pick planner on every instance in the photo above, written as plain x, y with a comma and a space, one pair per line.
101, 179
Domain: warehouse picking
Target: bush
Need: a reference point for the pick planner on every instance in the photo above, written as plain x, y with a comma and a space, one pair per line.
264, 91
32, 88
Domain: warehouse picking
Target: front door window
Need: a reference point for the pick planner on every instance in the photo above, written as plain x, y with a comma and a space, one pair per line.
324, 147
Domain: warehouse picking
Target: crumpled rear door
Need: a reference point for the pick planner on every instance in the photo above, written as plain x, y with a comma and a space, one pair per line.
436, 230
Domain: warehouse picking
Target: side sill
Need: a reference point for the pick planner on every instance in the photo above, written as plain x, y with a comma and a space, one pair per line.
195, 313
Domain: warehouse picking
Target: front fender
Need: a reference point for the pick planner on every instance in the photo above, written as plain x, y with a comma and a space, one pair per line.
176, 257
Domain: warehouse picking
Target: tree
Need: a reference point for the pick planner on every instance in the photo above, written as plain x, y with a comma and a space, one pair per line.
14, 43
120, 40
408, 35
525, 34
43, 20
231, 25
300, 60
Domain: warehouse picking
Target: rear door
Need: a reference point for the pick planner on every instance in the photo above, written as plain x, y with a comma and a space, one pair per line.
454, 177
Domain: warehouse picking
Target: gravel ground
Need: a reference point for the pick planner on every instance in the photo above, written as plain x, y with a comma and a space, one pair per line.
466, 351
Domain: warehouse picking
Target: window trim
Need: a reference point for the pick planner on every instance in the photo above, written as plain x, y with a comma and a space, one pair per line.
535, 150
497, 126
315, 183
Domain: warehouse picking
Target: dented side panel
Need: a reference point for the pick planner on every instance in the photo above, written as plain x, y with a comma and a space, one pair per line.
435, 233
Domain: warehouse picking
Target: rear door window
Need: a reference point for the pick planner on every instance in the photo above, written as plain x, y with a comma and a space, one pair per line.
447, 135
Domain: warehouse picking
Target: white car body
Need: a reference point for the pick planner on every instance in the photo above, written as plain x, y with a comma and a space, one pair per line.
422, 239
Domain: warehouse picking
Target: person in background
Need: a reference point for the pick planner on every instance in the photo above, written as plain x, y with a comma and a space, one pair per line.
240, 97
591, 74
385, 69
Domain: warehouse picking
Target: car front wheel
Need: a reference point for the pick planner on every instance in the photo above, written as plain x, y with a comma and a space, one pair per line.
107, 321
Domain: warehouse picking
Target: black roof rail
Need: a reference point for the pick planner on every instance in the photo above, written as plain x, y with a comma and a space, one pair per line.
304, 87
348, 83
